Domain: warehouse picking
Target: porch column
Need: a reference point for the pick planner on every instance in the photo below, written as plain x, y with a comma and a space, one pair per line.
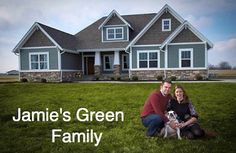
116, 63
97, 64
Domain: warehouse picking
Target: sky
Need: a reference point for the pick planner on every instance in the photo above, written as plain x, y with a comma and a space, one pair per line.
215, 19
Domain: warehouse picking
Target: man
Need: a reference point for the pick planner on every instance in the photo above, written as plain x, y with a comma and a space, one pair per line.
153, 114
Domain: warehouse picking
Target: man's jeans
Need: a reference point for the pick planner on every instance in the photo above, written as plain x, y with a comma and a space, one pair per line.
154, 123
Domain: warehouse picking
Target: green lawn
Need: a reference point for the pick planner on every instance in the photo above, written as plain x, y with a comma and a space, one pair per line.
215, 103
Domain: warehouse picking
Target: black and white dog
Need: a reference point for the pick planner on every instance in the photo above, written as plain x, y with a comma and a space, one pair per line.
168, 131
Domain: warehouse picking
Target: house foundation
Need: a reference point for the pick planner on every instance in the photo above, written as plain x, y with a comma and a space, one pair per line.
97, 70
71, 75
187, 74
179, 74
38, 76
116, 71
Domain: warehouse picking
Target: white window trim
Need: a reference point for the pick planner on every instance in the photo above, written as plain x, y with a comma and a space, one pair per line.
38, 53
180, 59
148, 51
114, 28
163, 20
122, 61
104, 63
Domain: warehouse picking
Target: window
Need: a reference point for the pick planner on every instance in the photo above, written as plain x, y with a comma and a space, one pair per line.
147, 59
125, 62
108, 62
38, 61
114, 33
186, 57
166, 24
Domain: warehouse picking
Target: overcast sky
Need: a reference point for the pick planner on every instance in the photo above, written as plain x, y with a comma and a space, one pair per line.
216, 19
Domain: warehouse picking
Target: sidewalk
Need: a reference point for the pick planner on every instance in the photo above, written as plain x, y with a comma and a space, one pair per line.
216, 81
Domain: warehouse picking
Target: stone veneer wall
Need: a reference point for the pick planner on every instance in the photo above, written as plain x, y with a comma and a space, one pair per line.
147, 74
37, 76
116, 71
115, 75
179, 74
71, 75
97, 70
187, 74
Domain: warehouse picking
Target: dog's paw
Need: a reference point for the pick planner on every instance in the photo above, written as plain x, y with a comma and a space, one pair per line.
180, 138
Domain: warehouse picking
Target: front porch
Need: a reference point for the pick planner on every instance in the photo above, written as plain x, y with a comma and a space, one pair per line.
109, 65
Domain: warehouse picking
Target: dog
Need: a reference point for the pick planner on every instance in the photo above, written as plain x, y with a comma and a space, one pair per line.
172, 116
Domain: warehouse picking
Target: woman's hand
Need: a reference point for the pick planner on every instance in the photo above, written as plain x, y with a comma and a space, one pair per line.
182, 124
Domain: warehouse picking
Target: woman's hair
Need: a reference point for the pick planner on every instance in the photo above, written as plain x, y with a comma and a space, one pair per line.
185, 96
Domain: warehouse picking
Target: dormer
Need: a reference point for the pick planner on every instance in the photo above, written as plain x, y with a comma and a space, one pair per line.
115, 28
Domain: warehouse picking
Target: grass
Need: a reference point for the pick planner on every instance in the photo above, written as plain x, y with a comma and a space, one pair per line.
215, 103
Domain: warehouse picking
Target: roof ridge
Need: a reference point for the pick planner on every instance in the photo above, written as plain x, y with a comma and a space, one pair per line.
138, 14
41, 24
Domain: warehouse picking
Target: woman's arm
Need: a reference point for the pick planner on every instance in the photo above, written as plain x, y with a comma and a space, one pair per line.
194, 116
190, 121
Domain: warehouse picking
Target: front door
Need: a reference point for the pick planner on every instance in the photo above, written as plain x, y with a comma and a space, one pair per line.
89, 65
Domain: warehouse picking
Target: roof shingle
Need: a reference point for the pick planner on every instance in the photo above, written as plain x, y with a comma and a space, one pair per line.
65, 40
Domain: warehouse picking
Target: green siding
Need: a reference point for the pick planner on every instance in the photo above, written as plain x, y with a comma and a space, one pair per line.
162, 58
125, 31
198, 55
53, 57
134, 55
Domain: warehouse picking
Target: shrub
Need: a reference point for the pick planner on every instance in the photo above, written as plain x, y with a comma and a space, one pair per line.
135, 78
23, 80
198, 77
112, 78
97, 78
159, 78
118, 78
173, 78
43, 80
78, 75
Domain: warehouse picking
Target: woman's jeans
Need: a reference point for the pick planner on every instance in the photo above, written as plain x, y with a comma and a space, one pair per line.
154, 123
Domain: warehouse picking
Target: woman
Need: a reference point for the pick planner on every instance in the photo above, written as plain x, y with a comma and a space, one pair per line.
186, 114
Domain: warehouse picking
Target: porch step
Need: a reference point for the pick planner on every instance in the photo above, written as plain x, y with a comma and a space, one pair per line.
88, 77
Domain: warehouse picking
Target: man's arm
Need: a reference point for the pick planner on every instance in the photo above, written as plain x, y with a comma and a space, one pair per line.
155, 102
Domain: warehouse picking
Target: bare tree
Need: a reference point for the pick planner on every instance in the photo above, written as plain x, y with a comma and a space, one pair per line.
212, 67
225, 65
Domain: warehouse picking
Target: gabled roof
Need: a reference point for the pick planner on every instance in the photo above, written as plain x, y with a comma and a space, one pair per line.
186, 24
89, 39
158, 15
110, 16
59, 38
65, 40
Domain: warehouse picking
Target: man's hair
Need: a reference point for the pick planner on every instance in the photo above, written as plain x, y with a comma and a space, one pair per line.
167, 81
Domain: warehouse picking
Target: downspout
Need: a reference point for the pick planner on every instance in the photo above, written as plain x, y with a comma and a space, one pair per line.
18, 64
60, 64
130, 62
165, 62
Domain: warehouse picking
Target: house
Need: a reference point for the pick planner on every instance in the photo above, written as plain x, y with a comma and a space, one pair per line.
116, 46
12, 72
